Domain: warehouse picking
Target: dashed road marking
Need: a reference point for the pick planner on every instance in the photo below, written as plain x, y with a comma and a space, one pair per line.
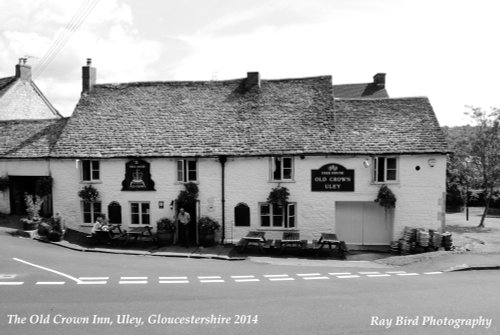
11, 283
281, 279
433, 273
407, 274
308, 274
395, 272
276, 276
315, 277
50, 283
339, 273
93, 280
173, 280
369, 273
245, 279
133, 280
7, 276
379, 275
211, 279
348, 276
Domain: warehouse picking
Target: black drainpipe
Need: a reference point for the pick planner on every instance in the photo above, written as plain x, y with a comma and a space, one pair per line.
223, 160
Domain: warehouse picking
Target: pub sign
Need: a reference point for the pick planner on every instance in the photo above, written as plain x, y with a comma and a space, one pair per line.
137, 176
332, 178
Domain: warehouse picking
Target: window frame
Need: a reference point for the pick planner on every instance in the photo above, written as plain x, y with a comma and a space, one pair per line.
93, 213
282, 169
386, 170
285, 214
183, 170
140, 213
91, 170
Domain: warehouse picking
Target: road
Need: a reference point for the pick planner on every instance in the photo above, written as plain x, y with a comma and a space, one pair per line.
46, 289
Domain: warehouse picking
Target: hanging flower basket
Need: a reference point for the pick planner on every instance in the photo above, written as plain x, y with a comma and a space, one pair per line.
386, 198
88, 193
278, 195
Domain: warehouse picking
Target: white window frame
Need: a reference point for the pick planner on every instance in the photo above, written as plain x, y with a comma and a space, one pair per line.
376, 171
285, 223
182, 170
282, 168
91, 171
140, 213
93, 212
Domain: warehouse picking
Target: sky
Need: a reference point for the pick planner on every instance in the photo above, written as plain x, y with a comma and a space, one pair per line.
446, 50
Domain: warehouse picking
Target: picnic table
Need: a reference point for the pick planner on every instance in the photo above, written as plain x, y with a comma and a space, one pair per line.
331, 240
144, 233
112, 235
253, 237
291, 239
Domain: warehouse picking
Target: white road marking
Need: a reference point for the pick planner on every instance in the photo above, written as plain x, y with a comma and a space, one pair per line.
308, 274
275, 276
212, 281
339, 273
50, 283
209, 277
93, 278
7, 276
281, 278
246, 280
173, 278
433, 273
50, 270
133, 282
312, 278
349, 276
379, 275
11, 283
369, 273
407, 274
242, 277
96, 282
395, 272
133, 278
174, 281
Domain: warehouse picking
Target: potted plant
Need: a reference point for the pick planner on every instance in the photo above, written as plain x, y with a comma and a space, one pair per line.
165, 229
278, 195
89, 193
207, 228
33, 207
386, 198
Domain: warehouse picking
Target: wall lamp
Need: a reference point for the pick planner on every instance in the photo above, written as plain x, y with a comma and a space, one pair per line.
431, 162
161, 204
367, 162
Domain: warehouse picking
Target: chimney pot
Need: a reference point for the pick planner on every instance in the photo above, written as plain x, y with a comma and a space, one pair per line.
379, 80
88, 77
253, 80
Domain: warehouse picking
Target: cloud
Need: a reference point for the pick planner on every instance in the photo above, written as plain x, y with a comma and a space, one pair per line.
108, 36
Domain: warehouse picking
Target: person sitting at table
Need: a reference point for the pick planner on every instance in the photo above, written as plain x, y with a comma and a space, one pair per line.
100, 224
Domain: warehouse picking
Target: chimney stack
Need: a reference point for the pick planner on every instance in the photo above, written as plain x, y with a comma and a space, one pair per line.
379, 80
88, 77
23, 71
253, 80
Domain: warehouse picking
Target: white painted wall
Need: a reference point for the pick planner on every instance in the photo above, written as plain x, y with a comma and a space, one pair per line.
248, 181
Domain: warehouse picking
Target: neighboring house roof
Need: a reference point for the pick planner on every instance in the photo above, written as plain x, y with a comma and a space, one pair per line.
20, 98
21, 139
356, 91
210, 118
388, 126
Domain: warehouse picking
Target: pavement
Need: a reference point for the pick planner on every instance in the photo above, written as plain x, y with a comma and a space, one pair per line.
457, 260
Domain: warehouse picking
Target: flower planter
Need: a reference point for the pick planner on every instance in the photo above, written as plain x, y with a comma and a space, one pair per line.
165, 238
30, 225
207, 239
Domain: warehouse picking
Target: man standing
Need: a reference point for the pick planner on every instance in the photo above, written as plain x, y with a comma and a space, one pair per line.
183, 219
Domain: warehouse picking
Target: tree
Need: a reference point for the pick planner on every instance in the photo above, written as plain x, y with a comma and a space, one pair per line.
484, 152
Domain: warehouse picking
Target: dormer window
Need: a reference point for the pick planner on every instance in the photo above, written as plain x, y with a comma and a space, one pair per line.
90, 170
282, 168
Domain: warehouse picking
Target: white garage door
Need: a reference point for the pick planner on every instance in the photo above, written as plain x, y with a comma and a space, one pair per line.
363, 223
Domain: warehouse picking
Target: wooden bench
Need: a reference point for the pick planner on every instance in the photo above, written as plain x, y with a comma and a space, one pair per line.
292, 239
113, 235
145, 233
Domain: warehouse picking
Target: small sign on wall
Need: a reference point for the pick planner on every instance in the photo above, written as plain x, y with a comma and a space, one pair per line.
332, 178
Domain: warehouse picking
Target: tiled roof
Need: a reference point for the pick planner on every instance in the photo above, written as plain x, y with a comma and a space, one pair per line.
402, 125
356, 91
201, 119
29, 138
289, 116
22, 99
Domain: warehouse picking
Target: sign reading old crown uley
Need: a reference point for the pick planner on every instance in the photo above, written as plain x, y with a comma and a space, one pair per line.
137, 177
332, 178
